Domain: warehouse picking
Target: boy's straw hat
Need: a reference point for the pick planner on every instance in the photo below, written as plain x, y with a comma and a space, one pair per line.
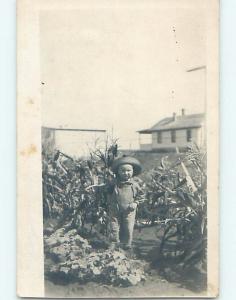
127, 160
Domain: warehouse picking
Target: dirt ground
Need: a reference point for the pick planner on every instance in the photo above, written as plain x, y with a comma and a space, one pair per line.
155, 285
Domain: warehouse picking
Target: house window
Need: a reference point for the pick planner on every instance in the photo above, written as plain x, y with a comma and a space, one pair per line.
159, 137
189, 135
173, 136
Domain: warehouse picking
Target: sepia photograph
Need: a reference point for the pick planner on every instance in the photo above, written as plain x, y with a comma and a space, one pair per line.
124, 148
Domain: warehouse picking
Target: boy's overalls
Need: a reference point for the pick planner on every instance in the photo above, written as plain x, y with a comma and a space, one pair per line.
122, 218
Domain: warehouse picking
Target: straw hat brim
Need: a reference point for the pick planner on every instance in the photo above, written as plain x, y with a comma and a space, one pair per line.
127, 160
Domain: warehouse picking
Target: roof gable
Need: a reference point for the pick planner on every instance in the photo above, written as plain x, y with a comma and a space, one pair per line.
179, 122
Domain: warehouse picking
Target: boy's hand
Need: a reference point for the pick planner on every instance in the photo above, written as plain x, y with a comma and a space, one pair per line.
133, 206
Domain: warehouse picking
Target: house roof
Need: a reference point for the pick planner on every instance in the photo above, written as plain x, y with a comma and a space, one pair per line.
179, 122
73, 129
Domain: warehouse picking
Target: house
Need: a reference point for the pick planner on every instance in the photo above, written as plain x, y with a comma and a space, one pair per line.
74, 142
176, 131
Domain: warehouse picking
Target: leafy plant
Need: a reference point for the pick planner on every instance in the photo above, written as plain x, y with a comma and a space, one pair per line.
177, 202
68, 187
69, 257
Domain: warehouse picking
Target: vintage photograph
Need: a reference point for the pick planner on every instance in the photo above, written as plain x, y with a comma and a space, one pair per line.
124, 123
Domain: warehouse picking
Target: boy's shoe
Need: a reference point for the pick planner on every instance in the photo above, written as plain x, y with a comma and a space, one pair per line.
129, 251
113, 246
127, 247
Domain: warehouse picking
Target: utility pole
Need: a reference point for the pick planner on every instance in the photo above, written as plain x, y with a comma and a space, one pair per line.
204, 68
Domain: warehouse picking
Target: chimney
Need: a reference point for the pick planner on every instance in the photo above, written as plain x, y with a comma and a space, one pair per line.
174, 116
183, 111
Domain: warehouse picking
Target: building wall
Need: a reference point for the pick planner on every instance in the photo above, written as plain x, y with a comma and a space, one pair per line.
72, 143
48, 140
146, 147
181, 139
78, 143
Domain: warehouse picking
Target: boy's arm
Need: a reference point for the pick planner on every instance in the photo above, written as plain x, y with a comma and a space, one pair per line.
139, 196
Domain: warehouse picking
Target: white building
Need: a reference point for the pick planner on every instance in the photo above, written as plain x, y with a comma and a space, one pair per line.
176, 131
71, 141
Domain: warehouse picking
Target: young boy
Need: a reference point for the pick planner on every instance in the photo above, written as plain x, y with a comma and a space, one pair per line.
124, 194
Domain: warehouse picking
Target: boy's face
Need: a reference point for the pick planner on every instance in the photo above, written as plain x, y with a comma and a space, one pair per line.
125, 172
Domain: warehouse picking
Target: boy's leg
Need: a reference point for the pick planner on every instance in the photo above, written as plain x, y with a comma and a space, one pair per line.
129, 220
121, 233
115, 228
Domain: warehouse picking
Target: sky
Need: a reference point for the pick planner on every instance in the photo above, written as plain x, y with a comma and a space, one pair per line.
121, 69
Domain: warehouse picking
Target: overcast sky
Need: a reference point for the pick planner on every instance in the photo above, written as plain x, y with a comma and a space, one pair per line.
121, 68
